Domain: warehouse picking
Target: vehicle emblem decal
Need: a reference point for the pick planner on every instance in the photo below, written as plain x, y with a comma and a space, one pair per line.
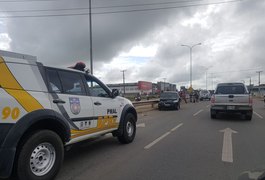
75, 105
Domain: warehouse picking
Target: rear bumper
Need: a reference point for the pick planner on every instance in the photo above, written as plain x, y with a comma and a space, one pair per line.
232, 108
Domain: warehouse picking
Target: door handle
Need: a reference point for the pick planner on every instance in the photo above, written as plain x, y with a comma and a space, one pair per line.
97, 103
57, 101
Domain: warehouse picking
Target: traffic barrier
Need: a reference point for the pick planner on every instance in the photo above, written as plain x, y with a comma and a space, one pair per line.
147, 102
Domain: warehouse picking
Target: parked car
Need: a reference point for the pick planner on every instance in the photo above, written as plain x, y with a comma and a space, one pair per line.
205, 94
169, 99
45, 109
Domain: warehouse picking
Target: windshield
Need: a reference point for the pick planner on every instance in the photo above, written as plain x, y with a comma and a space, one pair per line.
169, 96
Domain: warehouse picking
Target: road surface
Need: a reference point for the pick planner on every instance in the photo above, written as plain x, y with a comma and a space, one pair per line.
184, 144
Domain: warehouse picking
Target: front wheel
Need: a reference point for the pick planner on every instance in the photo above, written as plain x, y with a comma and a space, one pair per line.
213, 114
177, 106
129, 129
40, 156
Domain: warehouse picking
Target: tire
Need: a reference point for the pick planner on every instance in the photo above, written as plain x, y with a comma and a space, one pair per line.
177, 106
129, 129
248, 117
42, 147
213, 114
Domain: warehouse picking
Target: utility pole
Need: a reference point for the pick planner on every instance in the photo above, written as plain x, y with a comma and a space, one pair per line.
213, 81
206, 80
259, 75
123, 77
259, 80
90, 38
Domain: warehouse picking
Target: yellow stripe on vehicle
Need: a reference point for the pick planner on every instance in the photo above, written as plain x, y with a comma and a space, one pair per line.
104, 123
76, 134
26, 100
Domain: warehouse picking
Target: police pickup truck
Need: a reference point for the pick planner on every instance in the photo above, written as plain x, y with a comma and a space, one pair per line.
44, 109
231, 98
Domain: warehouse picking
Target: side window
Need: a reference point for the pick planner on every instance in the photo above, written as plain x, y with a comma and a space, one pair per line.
96, 89
54, 81
72, 83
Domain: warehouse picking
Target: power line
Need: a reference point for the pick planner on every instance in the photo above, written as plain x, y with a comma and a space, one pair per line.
12, 1
164, 8
122, 11
43, 10
96, 7
146, 4
242, 70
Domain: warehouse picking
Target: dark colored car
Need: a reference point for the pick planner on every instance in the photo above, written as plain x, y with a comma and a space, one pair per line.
169, 99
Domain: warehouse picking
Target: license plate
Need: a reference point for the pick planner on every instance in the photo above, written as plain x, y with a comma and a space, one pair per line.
167, 105
230, 107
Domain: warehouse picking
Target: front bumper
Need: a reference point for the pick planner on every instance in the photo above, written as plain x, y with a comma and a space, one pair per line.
166, 105
7, 156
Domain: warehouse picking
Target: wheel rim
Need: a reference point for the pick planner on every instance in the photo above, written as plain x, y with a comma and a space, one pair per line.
129, 128
42, 159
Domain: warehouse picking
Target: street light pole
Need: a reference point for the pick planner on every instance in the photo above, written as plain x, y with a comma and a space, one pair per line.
206, 79
164, 83
90, 38
190, 47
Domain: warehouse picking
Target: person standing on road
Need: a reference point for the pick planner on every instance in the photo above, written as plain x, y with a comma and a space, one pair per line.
183, 95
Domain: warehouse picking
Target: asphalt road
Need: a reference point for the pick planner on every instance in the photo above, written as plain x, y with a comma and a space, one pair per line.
184, 144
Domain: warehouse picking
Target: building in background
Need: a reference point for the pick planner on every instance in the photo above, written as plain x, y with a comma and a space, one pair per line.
165, 86
143, 87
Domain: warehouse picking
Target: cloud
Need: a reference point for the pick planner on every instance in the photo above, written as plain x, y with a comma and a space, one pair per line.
147, 44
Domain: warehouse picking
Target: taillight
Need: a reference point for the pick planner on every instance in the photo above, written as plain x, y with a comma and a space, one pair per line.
250, 100
213, 99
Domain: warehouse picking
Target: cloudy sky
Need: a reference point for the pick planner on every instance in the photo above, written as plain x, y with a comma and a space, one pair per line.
143, 37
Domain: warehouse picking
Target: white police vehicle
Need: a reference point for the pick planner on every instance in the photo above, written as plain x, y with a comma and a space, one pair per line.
43, 109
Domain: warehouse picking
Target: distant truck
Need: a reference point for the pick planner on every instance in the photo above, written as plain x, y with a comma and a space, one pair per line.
205, 94
231, 98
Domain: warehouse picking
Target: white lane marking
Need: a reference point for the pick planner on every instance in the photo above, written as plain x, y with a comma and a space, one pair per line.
208, 105
174, 129
227, 152
162, 137
140, 125
258, 115
157, 140
198, 112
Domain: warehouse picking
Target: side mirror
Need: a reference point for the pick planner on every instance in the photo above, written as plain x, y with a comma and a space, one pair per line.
115, 93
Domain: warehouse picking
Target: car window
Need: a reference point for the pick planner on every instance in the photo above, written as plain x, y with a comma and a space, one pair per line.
72, 83
230, 90
54, 81
95, 89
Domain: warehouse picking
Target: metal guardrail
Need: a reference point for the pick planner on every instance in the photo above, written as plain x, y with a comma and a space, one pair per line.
147, 102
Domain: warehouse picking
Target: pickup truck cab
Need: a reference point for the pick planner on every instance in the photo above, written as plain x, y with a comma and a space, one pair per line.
231, 98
